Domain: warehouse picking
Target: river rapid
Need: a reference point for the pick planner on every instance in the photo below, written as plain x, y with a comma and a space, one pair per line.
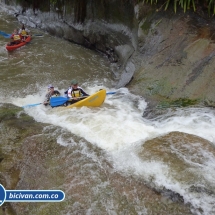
117, 127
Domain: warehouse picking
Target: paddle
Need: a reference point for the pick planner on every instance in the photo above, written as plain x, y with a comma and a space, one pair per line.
5, 35
31, 105
108, 93
54, 102
58, 101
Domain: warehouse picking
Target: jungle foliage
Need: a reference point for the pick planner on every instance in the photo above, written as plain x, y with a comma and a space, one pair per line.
79, 7
186, 4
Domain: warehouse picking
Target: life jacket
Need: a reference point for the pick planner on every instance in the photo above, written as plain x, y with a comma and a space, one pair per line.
56, 93
23, 33
66, 92
76, 93
16, 37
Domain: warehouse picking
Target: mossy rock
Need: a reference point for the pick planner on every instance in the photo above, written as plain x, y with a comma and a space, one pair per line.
181, 102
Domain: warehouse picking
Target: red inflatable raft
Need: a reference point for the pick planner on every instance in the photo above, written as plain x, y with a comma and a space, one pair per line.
13, 47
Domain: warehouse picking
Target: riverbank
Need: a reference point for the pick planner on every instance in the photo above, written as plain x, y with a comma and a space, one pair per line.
165, 57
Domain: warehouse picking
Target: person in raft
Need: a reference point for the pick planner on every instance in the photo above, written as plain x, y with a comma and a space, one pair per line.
51, 93
24, 32
74, 93
16, 38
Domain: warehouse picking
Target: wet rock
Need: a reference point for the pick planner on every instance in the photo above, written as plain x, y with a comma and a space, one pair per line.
31, 158
185, 155
177, 58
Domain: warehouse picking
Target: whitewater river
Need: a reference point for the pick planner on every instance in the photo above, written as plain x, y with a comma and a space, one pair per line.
117, 127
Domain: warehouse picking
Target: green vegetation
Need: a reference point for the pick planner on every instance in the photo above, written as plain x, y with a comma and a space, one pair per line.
186, 4
145, 27
181, 102
79, 7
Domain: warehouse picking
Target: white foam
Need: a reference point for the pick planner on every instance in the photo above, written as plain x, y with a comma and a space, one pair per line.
118, 128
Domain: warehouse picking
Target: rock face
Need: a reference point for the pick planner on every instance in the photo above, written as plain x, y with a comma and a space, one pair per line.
177, 57
105, 26
31, 159
167, 56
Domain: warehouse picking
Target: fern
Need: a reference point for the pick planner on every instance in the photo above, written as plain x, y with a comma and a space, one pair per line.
186, 4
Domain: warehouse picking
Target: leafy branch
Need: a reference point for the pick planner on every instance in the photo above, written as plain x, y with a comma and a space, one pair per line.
187, 4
